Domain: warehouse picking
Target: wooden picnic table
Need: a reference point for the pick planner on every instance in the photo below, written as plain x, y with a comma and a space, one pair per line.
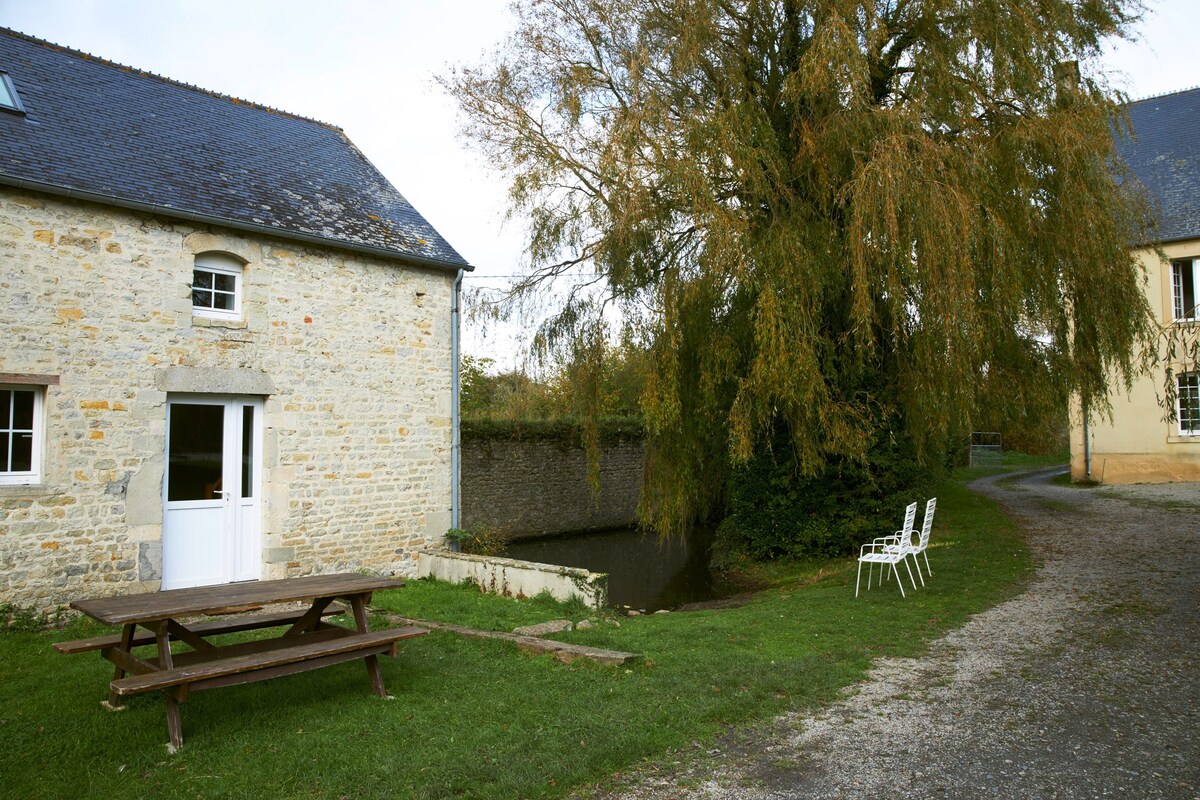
308, 641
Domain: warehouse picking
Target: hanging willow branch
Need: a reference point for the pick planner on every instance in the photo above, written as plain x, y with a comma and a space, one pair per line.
822, 216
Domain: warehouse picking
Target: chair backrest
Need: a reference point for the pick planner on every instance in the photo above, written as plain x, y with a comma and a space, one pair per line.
927, 523
910, 519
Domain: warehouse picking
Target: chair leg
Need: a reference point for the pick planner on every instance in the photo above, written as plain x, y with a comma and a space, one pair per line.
910, 577
858, 580
899, 583
917, 567
926, 555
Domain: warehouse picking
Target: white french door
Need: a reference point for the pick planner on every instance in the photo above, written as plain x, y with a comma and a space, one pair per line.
212, 491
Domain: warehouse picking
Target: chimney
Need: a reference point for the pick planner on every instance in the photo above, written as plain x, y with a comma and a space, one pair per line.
1066, 80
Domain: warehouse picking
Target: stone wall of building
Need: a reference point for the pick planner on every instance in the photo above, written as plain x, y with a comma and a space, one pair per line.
533, 488
356, 352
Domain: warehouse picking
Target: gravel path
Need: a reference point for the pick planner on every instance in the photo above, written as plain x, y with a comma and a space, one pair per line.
1084, 686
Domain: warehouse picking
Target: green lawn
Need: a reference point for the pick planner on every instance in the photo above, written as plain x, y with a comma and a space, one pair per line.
475, 718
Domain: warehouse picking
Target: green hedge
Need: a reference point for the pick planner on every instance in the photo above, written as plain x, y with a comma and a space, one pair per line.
567, 432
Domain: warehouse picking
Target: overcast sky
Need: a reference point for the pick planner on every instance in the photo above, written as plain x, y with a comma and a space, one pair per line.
367, 67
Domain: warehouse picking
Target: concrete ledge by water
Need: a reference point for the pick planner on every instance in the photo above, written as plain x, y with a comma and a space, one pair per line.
513, 578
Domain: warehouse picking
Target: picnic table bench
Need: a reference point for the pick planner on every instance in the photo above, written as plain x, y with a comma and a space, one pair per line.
308, 642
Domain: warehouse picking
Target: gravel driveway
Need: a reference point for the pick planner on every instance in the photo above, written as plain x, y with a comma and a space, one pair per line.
1084, 686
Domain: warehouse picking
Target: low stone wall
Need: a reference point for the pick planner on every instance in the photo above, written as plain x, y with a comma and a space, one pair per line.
511, 578
534, 488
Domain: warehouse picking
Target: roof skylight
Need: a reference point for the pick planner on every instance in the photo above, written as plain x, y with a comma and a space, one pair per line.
9, 99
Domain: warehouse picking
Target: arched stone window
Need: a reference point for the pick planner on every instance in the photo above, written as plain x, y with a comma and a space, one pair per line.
217, 286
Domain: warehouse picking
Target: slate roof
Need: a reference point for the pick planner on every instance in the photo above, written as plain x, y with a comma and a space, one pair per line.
106, 132
1164, 154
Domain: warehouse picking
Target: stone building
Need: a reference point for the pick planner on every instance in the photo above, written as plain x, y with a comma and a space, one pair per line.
228, 342
1142, 443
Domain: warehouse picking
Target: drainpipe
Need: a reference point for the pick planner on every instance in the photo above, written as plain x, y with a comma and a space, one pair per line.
1087, 444
455, 439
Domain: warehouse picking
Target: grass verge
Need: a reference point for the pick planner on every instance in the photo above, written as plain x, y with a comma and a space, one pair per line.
480, 719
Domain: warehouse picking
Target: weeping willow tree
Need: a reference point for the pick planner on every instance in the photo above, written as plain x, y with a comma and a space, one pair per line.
829, 220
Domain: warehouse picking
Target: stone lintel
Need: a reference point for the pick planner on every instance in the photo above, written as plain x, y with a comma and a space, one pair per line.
214, 380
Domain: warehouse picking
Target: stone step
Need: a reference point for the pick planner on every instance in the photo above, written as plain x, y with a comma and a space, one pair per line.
562, 651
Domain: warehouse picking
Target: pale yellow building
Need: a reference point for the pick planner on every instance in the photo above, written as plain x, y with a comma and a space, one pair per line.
1147, 439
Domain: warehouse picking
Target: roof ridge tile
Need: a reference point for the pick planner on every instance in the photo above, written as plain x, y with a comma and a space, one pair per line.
1162, 95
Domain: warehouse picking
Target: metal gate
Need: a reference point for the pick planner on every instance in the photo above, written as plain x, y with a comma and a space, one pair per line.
987, 449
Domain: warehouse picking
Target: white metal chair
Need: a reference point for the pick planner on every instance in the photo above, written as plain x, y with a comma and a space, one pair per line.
898, 538
918, 547
889, 551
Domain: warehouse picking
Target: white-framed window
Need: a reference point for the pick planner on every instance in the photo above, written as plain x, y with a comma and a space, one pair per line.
9, 99
217, 286
21, 433
1185, 279
1188, 400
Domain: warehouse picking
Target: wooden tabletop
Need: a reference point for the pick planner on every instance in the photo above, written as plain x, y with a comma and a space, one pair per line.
227, 598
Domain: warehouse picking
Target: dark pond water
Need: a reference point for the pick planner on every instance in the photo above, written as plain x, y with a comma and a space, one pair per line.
643, 573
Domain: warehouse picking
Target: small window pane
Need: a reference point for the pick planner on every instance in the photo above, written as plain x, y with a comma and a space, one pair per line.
247, 451
224, 302
22, 452
202, 280
4, 452
22, 411
1189, 292
6, 94
197, 440
201, 298
224, 283
5, 400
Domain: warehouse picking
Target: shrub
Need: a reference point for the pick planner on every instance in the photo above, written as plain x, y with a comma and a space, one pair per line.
487, 540
774, 512
26, 619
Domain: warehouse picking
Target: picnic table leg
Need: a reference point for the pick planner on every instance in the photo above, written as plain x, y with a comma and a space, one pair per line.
174, 721
360, 621
114, 702
174, 724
